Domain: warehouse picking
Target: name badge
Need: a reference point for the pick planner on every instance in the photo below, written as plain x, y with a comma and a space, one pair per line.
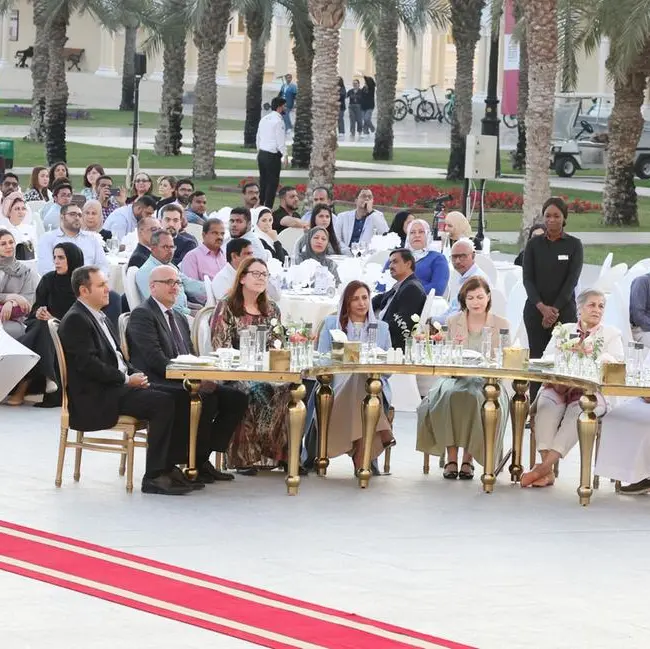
563, 257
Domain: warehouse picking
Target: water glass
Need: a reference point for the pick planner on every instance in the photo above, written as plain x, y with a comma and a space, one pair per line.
457, 355
260, 347
354, 249
245, 351
420, 352
486, 343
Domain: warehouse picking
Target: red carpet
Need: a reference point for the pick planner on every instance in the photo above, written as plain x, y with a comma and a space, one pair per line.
227, 607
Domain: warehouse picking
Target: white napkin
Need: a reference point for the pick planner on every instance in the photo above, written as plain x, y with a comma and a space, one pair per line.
303, 273
372, 273
385, 242
274, 266
338, 336
223, 214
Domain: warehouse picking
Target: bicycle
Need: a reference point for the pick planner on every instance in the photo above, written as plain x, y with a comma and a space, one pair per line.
403, 105
510, 121
449, 107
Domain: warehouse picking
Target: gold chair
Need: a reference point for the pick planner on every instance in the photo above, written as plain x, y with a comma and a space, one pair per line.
127, 426
122, 322
391, 417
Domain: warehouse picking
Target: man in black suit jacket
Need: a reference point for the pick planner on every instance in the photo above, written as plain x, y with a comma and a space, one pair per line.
102, 385
157, 333
405, 299
146, 227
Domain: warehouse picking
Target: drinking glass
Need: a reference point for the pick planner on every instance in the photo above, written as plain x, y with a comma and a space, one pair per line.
354, 249
260, 347
245, 349
457, 355
486, 343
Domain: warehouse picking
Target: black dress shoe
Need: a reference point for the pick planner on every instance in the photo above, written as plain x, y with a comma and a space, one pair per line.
51, 400
164, 485
637, 488
180, 478
247, 470
206, 470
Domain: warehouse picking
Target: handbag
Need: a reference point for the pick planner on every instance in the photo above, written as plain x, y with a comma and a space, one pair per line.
25, 251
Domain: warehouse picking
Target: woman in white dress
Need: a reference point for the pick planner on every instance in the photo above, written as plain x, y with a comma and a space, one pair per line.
14, 211
557, 406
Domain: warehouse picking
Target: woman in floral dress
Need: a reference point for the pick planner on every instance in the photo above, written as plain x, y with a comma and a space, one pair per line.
261, 440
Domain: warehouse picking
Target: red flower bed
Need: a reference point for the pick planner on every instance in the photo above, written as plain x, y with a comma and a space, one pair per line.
423, 196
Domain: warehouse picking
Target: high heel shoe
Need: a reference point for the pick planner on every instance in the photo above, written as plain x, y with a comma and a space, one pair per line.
390, 443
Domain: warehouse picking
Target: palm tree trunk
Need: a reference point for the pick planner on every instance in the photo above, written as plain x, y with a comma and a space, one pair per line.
386, 79
519, 155
56, 92
40, 66
210, 39
128, 66
541, 37
625, 128
254, 77
466, 32
327, 16
168, 138
303, 54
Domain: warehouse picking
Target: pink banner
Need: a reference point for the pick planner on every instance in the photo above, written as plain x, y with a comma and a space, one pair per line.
510, 64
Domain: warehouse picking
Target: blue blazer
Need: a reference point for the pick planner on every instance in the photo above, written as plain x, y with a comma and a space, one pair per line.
432, 271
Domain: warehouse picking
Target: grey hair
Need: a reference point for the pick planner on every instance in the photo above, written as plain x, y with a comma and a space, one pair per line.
91, 203
581, 300
157, 234
466, 240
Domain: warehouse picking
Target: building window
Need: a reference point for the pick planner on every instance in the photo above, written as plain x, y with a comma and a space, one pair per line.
13, 24
241, 25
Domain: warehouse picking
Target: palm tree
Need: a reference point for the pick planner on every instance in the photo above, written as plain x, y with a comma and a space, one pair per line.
380, 21
542, 39
327, 16
466, 32
40, 67
131, 24
627, 24
258, 16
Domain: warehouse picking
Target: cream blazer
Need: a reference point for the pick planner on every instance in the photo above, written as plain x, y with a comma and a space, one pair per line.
612, 342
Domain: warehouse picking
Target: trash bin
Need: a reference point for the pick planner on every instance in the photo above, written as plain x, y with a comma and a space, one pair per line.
7, 152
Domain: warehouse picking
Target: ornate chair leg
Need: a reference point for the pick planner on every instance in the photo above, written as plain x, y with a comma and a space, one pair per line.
596, 482
533, 446
556, 468
125, 439
129, 462
425, 465
387, 453
441, 461
387, 460
77, 457
63, 440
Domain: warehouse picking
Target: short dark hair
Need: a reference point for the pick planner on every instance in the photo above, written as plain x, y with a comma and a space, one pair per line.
247, 185
362, 189
406, 255
10, 174
285, 190
472, 284
276, 102
556, 201
155, 237
185, 181
171, 207
104, 177
97, 167
196, 194
147, 200
208, 222
242, 211
59, 184
235, 247
65, 208
82, 277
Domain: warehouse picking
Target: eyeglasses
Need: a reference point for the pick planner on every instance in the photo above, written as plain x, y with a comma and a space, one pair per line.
69, 213
142, 180
169, 282
463, 255
258, 274
167, 247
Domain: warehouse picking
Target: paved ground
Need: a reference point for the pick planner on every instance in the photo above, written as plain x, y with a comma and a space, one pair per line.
521, 569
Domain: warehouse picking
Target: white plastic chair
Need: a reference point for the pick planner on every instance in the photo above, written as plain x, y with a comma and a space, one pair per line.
131, 290
379, 257
515, 311
209, 295
196, 230
610, 278
289, 236
488, 267
607, 264
499, 306
617, 313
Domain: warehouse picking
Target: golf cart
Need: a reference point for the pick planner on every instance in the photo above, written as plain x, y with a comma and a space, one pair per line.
580, 138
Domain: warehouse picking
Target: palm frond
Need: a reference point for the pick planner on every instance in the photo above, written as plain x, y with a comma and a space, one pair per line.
301, 27
572, 30
263, 9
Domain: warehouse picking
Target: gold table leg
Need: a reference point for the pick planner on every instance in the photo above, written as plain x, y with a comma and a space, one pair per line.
490, 413
370, 411
297, 415
519, 408
587, 430
195, 415
324, 403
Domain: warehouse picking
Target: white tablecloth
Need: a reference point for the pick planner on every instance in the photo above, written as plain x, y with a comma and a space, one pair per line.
15, 361
308, 308
115, 268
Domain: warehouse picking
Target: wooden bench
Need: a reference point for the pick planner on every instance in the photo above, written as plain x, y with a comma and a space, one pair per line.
73, 56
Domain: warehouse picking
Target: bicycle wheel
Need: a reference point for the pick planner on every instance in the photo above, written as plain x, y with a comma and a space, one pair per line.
425, 110
510, 121
400, 109
448, 112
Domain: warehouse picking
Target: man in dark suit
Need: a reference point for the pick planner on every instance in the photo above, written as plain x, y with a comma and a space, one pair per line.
171, 218
404, 300
146, 227
157, 333
102, 385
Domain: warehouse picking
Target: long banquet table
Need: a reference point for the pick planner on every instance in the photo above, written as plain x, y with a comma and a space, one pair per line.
324, 372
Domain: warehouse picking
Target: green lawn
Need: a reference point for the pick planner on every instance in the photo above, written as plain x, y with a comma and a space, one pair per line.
116, 118
594, 254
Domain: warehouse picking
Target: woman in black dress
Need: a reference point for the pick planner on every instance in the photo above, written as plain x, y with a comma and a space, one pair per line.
54, 297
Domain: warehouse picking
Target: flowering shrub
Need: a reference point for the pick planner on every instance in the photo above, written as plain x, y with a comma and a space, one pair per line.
424, 196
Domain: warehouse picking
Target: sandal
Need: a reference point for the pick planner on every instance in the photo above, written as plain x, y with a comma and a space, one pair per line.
390, 443
466, 475
448, 474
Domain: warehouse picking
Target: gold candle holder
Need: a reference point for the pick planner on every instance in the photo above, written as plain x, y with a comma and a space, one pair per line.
279, 360
337, 351
351, 352
515, 358
612, 373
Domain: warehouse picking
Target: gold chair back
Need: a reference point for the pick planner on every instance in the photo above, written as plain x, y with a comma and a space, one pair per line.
122, 322
53, 327
204, 314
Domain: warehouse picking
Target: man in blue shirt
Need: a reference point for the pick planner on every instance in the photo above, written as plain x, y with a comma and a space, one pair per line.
288, 92
61, 195
640, 309
124, 220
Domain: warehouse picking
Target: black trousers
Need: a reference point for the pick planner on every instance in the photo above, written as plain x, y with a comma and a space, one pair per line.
156, 407
538, 337
269, 165
221, 412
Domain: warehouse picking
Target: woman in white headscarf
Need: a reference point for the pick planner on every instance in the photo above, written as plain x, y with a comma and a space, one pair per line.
431, 267
345, 433
262, 224
14, 212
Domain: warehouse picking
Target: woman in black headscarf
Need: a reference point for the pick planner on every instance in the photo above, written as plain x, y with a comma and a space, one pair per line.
54, 296
399, 225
